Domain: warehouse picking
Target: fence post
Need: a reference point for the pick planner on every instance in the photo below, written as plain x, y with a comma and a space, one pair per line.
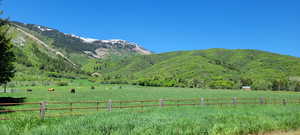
97, 106
109, 105
142, 105
202, 101
261, 99
71, 107
161, 102
234, 100
284, 101
43, 109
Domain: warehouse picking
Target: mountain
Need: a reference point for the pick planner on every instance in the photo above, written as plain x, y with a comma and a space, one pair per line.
46, 54
43, 50
75, 44
212, 68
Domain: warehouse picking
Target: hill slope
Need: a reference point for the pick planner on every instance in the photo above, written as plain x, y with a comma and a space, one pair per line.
92, 47
213, 68
36, 59
41, 51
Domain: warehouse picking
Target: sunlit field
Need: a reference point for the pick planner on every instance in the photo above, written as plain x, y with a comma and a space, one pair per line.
226, 119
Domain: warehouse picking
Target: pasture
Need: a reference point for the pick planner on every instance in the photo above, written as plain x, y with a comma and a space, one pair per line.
219, 120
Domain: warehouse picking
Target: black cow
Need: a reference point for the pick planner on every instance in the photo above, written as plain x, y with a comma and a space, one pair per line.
72, 91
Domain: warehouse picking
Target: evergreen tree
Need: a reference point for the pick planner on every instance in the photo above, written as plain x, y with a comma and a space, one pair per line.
7, 57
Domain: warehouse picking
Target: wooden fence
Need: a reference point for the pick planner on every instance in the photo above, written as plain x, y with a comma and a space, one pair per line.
110, 105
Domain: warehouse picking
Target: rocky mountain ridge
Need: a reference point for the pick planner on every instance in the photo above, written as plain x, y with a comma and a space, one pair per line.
94, 48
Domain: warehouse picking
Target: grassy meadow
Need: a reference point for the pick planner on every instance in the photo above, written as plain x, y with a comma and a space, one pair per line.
216, 120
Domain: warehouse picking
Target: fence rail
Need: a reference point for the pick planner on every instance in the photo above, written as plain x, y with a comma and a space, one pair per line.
123, 104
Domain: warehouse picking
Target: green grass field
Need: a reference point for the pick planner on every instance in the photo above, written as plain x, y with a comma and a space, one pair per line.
218, 120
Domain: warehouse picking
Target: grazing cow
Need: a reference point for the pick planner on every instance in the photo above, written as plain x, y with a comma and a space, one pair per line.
51, 89
72, 91
29, 90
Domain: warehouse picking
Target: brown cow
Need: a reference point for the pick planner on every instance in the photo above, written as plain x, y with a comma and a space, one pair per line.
51, 89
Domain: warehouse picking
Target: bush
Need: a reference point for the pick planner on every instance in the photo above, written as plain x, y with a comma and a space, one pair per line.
262, 85
221, 84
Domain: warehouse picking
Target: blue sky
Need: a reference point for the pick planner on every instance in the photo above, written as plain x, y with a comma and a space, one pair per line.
169, 25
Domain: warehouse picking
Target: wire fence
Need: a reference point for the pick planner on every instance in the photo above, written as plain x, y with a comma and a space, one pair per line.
110, 105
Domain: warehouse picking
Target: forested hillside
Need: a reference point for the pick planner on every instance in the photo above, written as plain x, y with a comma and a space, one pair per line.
213, 68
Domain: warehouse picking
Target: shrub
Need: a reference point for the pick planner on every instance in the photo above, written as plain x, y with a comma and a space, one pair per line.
221, 84
262, 85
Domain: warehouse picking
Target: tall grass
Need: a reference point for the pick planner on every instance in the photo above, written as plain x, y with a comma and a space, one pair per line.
240, 120
216, 120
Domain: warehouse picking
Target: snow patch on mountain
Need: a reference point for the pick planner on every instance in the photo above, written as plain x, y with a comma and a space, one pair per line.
43, 28
86, 40
100, 53
92, 40
113, 41
117, 41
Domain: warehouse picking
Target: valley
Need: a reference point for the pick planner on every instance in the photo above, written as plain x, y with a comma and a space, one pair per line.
119, 61
50, 64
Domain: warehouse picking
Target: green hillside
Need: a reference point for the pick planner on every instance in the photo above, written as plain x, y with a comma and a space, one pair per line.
45, 54
213, 68
36, 64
